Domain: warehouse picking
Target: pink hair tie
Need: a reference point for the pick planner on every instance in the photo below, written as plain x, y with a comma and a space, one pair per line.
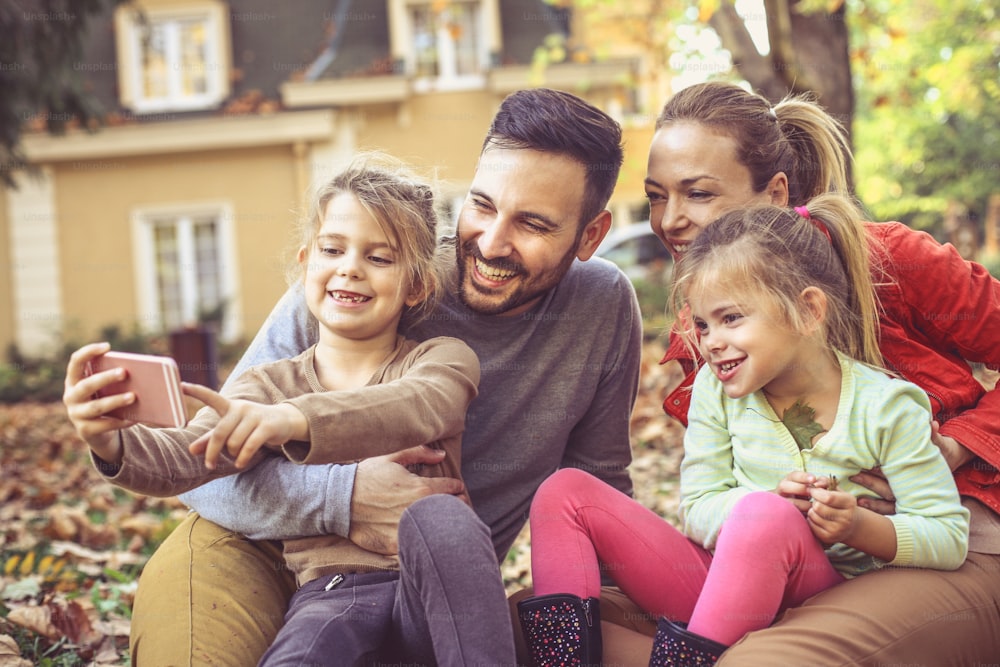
818, 224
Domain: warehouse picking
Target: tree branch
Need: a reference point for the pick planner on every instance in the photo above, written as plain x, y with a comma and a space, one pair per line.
783, 56
735, 38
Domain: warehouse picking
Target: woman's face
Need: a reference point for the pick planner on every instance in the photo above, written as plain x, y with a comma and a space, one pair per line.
693, 177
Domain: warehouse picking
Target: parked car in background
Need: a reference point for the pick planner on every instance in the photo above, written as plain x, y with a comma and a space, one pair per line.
638, 252
648, 264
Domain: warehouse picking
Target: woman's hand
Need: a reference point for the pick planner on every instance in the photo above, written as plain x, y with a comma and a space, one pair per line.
885, 502
88, 414
244, 427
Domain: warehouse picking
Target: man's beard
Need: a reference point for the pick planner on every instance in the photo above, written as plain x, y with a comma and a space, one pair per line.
527, 287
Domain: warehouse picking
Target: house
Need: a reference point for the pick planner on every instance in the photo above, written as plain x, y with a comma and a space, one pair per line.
221, 115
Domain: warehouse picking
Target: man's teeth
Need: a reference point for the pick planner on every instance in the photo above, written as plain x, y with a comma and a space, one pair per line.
492, 273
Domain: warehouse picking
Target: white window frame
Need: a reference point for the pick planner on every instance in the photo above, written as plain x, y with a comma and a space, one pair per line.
144, 220
129, 22
402, 39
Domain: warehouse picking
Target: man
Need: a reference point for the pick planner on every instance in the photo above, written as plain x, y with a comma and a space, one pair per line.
559, 345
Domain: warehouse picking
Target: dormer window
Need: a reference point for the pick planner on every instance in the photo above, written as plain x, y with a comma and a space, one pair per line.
445, 45
173, 58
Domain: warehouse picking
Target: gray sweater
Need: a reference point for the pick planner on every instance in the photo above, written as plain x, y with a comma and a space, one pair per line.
556, 390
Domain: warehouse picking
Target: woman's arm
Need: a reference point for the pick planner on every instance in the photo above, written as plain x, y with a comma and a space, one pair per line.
955, 305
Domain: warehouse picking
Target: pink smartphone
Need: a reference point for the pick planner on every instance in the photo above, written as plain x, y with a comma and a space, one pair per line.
156, 382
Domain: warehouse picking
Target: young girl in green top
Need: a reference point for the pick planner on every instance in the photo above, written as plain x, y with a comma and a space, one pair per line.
790, 403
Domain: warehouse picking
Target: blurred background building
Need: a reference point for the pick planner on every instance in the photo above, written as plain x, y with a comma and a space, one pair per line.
219, 117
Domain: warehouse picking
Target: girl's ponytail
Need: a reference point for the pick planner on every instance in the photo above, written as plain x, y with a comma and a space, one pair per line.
841, 219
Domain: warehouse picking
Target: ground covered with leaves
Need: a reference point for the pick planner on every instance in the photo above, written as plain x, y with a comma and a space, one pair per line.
73, 546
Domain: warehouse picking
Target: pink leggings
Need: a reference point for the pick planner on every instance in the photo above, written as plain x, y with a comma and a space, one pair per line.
766, 558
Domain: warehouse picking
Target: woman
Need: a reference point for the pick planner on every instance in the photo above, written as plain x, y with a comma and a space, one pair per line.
717, 147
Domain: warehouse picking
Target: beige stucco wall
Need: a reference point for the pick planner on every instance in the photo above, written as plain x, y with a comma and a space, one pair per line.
440, 133
446, 131
95, 200
630, 182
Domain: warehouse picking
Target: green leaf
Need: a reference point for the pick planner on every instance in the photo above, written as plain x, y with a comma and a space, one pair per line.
22, 589
800, 420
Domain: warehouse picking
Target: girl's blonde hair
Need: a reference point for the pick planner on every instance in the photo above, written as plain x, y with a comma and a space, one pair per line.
403, 205
795, 136
776, 253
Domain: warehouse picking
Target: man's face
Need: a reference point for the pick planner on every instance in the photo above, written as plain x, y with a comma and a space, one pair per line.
519, 229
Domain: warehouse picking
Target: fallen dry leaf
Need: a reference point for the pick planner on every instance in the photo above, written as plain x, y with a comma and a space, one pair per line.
10, 654
72, 621
38, 619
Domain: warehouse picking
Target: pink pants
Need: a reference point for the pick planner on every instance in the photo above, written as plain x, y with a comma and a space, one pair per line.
766, 558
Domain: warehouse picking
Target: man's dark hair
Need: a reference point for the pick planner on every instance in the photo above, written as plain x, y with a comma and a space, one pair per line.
553, 121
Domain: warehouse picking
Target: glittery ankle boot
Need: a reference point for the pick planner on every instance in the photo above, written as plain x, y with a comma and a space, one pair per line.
561, 629
675, 646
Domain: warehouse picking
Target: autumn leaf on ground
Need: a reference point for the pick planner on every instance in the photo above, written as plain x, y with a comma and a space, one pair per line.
800, 420
10, 654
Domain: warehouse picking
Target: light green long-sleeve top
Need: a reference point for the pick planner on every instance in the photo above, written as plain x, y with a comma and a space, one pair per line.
735, 446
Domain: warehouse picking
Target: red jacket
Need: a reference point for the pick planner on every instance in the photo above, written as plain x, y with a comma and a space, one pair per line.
938, 310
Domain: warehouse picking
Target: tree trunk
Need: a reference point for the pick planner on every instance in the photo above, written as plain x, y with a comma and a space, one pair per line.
809, 52
991, 229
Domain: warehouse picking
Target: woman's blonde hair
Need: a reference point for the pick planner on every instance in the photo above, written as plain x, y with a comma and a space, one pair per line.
403, 205
776, 253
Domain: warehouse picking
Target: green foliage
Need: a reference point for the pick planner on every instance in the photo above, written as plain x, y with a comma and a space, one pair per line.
42, 41
653, 296
992, 264
927, 130
115, 598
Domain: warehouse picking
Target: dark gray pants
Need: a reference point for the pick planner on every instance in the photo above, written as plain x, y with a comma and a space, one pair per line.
446, 605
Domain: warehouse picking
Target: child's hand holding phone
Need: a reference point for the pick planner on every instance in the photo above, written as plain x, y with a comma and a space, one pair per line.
106, 391
244, 426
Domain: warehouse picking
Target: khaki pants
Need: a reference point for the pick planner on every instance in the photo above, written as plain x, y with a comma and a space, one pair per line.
209, 597
897, 616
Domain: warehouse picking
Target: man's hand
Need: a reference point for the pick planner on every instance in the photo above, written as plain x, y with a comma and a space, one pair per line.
383, 488
89, 415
